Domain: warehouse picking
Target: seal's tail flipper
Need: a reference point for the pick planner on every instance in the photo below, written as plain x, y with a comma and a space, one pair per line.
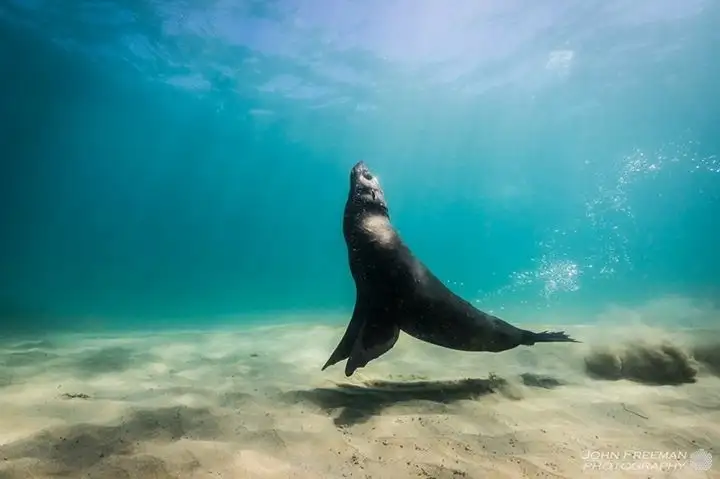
529, 338
377, 337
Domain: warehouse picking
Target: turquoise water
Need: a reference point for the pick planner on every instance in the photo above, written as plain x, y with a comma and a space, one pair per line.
174, 171
182, 163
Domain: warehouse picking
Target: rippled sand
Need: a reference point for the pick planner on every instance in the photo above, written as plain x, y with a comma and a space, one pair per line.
254, 404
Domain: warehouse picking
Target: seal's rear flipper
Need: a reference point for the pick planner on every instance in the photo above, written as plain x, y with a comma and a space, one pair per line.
377, 337
529, 338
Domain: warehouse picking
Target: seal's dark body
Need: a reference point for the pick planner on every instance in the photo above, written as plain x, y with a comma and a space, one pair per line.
396, 291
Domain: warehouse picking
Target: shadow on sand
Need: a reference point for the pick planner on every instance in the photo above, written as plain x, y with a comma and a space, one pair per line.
107, 451
359, 403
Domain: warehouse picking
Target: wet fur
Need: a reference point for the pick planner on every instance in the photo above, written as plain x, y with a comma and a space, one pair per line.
395, 291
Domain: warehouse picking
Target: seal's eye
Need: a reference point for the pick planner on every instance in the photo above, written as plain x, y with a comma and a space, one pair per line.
367, 175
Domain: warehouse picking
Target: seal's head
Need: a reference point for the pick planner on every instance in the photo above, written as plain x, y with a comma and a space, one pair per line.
365, 191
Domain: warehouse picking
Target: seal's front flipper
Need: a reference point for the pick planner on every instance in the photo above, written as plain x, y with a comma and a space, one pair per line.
344, 348
377, 336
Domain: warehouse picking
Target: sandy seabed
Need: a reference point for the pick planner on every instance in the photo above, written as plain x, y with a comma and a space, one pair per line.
627, 402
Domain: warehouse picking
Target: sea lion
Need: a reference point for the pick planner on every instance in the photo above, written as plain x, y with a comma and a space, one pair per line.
396, 292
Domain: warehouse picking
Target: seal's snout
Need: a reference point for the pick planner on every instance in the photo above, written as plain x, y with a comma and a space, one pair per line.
365, 187
361, 172
360, 169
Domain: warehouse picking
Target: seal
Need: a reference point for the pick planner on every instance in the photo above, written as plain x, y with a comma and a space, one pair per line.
396, 292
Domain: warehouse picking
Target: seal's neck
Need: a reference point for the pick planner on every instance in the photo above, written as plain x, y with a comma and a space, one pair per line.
378, 229
363, 226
